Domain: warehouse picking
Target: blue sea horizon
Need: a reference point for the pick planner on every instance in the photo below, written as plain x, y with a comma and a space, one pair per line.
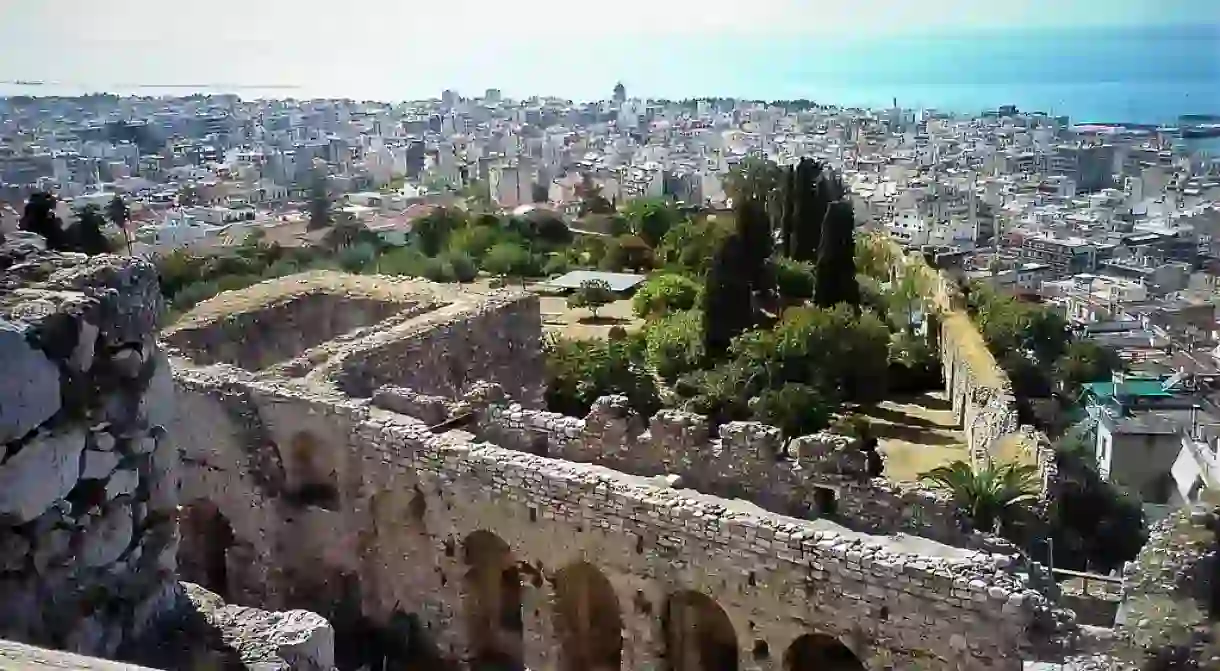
1148, 74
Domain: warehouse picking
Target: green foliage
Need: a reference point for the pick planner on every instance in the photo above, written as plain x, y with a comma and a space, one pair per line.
991, 495
1095, 525
320, 215
690, 246
875, 256
651, 219
405, 261
87, 236
723, 393
591, 199
675, 344
353, 259
1026, 339
474, 240
578, 372
592, 294
796, 409
627, 252
663, 294
432, 230
752, 177
836, 265
463, 266
914, 365
506, 259
843, 354
728, 300
1085, 361
556, 264
794, 279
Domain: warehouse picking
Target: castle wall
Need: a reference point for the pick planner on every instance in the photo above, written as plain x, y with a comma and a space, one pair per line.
409, 502
88, 488
499, 340
746, 460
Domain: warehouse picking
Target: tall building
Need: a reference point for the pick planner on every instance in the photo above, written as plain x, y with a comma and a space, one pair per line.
449, 99
620, 93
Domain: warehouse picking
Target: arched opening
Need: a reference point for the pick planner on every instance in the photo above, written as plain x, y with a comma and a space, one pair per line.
698, 634
820, 652
311, 479
206, 537
588, 620
493, 604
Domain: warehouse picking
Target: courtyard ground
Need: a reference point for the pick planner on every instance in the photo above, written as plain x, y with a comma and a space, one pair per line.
916, 434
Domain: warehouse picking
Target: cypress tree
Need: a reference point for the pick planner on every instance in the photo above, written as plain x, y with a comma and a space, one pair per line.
787, 222
812, 199
836, 264
728, 309
755, 243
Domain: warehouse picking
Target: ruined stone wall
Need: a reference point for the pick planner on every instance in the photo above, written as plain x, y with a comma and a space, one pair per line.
979, 390
88, 487
411, 506
498, 340
746, 460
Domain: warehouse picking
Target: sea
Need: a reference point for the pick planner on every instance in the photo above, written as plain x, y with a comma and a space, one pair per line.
1149, 74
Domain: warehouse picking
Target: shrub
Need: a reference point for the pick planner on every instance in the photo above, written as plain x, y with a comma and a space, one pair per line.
675, 344
796, 409
665, 294
462, 265
592, 294
794, 279
578, 372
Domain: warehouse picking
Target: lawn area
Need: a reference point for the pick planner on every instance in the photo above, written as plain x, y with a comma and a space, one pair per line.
561, 320
916, 435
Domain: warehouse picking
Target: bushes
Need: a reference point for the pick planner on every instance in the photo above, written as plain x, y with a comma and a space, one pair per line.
796, 409
675, 344
665, 294
794, 279
578, 372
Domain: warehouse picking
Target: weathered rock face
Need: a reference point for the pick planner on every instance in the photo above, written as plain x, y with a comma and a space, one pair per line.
83, 544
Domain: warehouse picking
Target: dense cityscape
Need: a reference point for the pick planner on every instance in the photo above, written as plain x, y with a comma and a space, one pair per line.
985, 345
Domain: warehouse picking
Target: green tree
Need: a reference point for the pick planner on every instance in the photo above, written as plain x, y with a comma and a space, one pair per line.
836, 266
754, 243
591, 199
662, 294
627, 252
119, 215
796, 409
674, 344
990, 495
475, 239
651, 219
432, 230
753, 177
728, 305
1095, 525
39, 217
464, 267
88, 236
578, 372
320, 215
539, 193
345, 233
506, 259
816, 188
188, 196
593, 295
794, 280
1083, 362
690, 246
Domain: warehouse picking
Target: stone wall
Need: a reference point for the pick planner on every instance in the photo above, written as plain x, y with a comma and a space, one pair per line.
88, 487
413, 510
499, 339
979, 390
823, 475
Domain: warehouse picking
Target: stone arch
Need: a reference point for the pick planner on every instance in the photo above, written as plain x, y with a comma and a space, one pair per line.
698, 634
588, 620
312, 478
820, 652
492, 603
206, 538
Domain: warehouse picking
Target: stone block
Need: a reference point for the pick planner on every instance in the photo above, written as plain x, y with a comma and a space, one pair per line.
44, 471
108, 537
29, 387
99, 465
122, 482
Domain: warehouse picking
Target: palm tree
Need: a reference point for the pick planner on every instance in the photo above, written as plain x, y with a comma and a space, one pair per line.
989, 494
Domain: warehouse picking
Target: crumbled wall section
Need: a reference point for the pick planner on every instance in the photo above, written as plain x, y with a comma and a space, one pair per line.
746, 460
88, 488
410, 497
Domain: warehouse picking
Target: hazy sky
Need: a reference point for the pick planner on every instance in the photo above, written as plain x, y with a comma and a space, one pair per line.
431, 43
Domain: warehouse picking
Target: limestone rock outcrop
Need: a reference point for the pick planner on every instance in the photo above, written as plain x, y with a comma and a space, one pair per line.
83, 546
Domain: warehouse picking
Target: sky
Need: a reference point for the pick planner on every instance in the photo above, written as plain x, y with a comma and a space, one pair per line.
428, 45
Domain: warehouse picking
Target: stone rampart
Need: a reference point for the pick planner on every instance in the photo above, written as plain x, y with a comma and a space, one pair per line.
88, 488
409, 512
979, 390
822, 475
